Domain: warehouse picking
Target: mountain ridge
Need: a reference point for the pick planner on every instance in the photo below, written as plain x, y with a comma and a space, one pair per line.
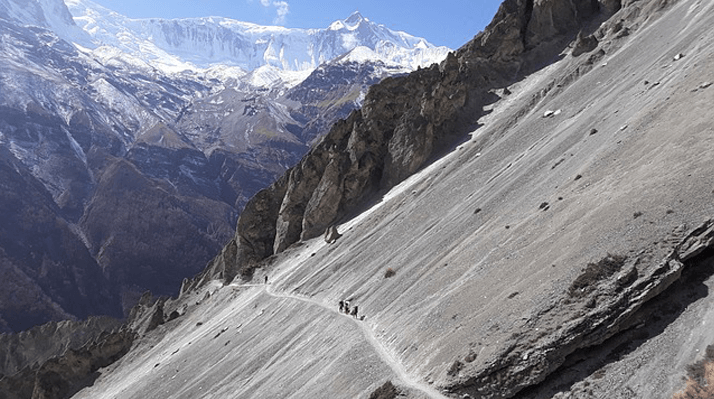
494, 295
199, 43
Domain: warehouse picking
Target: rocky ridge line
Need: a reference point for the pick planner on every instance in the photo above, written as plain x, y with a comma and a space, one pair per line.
63, 375
58, 359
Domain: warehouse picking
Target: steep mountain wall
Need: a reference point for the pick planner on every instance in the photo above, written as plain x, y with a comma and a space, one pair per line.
40, 343
403, 123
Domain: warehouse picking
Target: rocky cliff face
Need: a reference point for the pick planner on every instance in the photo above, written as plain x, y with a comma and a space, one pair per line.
40, 343
56, 360
403, 123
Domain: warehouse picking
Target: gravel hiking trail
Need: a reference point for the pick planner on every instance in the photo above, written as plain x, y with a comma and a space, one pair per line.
380, 349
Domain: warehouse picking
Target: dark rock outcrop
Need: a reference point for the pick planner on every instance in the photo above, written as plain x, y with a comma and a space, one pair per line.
40, 343
404, 122
148, 314
55, 360
608, 307
62, 376
385, 391
332, 235
584, 44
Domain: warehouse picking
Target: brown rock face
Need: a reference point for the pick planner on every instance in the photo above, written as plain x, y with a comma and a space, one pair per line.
404, 122
322, 205
303, 180
253, 241
551, 19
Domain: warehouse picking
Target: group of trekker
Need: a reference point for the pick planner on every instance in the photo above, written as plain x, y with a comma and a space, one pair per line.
345, 308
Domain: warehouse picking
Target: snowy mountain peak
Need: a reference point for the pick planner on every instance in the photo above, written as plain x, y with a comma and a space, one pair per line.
355, 19
351, 23
36, 12
200, 43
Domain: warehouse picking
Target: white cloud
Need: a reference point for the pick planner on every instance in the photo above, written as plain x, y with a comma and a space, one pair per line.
282, 9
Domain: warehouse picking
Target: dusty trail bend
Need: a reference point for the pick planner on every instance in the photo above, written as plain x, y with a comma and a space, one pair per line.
384, 353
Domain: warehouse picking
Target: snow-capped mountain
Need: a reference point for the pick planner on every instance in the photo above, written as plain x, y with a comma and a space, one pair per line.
51, 14
199, 43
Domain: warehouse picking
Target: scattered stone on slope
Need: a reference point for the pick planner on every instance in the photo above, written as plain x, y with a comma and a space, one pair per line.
702, 86
331, 234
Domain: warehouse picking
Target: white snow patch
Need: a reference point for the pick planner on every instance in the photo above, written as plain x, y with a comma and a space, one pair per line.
76, 147
349, 41
337, 25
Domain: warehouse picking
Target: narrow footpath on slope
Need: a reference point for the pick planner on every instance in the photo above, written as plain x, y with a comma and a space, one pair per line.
380, 349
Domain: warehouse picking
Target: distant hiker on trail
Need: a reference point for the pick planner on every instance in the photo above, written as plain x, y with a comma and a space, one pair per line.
266, 279
354, 312
347, 307
342, 306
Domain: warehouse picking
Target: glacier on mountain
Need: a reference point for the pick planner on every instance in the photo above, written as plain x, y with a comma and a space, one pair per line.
197, 44
51, 14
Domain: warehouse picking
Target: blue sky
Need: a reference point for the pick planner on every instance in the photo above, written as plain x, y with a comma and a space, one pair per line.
447, 23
